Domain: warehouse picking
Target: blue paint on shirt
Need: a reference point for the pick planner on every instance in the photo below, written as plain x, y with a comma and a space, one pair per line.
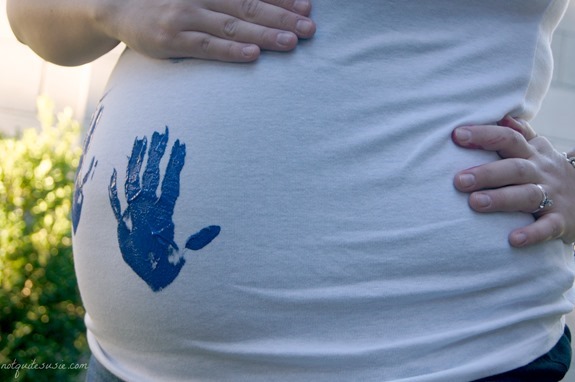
80, 181
145, 228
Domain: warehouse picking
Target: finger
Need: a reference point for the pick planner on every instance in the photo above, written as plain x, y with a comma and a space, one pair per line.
302, 7
171, 183
93, 164
547, 227
113, 196
132, 185
231, 28
496, 174
519, 125
205, 46
266, 15
202, 238
507, 142
521, 198
544, 146
151, 176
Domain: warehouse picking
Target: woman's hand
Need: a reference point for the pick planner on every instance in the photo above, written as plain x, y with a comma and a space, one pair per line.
226, 30
75, 32
510, 184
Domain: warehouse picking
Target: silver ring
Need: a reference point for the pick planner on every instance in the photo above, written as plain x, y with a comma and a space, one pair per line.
545, 201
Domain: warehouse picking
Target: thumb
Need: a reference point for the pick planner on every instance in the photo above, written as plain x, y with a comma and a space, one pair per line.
202, 238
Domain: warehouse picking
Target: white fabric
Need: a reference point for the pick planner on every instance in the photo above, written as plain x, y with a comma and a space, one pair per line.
345, 253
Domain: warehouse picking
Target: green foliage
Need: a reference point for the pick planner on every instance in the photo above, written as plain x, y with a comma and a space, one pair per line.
41, 316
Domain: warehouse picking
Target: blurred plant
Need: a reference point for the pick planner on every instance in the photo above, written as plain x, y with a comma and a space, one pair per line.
41, 316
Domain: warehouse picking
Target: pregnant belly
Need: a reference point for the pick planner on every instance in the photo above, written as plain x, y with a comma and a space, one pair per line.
214, 198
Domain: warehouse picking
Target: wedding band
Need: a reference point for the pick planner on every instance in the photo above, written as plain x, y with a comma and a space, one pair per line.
545, 202
569, 159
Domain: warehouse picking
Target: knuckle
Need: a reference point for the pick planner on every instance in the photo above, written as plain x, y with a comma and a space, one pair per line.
250, 8
231, 50
231, 27
267, 38
165, 31
541, 144
285, 20
523, 169
206, 44
557, 228
162, 37
515, 137
550, 166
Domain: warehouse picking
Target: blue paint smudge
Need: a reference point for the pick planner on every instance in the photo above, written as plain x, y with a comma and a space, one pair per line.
80, 181
145, 228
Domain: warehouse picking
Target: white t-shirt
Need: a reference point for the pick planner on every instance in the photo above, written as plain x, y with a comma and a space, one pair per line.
294, 219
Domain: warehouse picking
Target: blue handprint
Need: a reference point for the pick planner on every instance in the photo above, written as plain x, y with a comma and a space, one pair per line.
145, 228
80, 181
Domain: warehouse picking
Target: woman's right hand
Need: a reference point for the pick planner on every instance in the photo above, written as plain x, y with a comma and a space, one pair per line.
224, 30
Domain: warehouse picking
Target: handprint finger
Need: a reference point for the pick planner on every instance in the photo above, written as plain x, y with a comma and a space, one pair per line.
202, 238
113, 194
171, 182
133, 171
89, 172
151, 176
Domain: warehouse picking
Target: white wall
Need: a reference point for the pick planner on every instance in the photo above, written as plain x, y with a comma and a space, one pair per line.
556, 120
24, 76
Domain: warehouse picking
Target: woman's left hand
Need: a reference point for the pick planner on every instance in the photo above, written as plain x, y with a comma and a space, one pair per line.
530, 166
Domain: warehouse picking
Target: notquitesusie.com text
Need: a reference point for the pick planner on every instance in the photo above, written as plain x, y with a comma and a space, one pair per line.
18, 367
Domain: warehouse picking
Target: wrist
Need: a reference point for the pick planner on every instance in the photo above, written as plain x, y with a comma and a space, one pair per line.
105, 16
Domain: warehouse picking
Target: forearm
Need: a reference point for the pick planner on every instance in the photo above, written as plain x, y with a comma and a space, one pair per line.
65, 32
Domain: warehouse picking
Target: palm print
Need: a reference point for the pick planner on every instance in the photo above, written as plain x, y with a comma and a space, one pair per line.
145, 228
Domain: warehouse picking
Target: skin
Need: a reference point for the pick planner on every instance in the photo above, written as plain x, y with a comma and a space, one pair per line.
75, 32
509, 184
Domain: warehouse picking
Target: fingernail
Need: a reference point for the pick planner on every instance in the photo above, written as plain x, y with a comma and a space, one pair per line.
519, 239
249, 51
301, 6
304, 27
462, 135
285, 38
467, 180
482, 200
